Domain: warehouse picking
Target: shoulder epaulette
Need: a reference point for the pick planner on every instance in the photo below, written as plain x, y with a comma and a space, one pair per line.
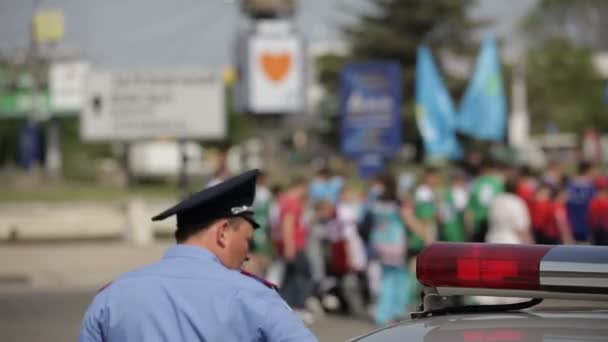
104, 287
260, 279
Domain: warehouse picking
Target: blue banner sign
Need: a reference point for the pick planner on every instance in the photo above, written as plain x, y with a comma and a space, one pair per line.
370, 108
370, 165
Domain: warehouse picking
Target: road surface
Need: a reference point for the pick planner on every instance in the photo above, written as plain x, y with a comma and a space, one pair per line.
37, 315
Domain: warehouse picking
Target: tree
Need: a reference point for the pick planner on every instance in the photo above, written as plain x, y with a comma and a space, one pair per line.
397, 28
393, 30
581, 21
564, 86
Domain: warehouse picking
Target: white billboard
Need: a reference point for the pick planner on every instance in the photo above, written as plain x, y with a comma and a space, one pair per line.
66, 85
275, 74
135, 105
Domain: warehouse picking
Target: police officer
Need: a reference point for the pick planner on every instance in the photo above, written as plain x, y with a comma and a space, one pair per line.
197, 292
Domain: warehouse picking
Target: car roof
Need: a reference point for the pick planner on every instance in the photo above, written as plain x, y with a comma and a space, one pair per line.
525, 326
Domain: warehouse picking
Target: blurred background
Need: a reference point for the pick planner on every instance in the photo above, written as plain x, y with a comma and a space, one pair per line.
111, 111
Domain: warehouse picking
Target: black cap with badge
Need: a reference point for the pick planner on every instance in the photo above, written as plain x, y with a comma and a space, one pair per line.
230, 198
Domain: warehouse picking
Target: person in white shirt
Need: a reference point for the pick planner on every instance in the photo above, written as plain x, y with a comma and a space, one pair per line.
509, 222
509, 219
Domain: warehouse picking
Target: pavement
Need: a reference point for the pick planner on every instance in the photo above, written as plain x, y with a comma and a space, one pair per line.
37, 315
46, 287
62, 220
71, 265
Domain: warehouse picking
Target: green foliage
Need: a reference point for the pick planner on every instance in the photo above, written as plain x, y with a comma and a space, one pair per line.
579, 21
239, 124
393, 30
9, 130
329, 71
564, 87
79, 158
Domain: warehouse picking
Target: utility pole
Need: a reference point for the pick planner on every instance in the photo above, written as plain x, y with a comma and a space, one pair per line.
519, 125
184, 181
46, 27
33, 115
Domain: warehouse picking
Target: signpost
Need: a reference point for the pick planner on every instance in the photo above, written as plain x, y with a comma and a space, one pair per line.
47, 29
272, 71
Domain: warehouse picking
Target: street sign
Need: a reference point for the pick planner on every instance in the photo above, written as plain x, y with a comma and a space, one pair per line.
66, 85
135, 105
18, 104
48, 26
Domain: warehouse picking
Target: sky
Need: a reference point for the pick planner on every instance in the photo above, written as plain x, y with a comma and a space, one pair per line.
160, 33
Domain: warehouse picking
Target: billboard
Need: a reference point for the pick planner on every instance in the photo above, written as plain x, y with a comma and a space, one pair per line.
370, 108
272, 74
163, 103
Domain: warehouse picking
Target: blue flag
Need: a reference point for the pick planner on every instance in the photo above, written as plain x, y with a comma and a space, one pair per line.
434, 110
483, 110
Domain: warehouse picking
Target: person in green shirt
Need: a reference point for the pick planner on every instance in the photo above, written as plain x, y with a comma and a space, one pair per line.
425, 209
262, 250
483, 190
452, 208
422, 225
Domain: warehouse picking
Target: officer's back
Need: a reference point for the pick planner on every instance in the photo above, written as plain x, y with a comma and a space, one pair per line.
196, 291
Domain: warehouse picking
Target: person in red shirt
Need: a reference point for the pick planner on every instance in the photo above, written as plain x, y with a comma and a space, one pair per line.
526, 187
296, 286
543, 217
561, 215
598, 213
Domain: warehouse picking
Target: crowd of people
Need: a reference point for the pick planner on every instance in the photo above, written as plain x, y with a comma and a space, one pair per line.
330, 246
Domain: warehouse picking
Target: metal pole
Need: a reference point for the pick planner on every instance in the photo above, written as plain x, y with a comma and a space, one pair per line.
183, 171
53, 142
129, 179
53, 149
519, 126
33, 116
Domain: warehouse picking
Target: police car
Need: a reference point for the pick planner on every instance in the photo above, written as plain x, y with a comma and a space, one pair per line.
531, 273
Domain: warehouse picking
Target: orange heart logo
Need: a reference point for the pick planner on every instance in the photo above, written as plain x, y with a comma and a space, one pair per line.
276, 66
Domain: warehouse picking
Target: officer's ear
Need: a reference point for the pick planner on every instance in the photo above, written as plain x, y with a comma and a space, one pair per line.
221, 232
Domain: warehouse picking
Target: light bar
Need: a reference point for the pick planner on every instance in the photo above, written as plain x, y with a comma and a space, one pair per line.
502, 270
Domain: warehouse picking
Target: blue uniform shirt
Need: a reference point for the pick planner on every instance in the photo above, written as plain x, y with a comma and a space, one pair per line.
190, 296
